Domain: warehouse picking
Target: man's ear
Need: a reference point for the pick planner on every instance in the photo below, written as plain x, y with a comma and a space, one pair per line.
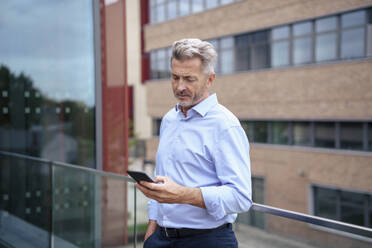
211, 78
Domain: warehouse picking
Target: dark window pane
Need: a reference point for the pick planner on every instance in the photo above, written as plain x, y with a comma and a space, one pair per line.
302, 133
260, 132
260, 56
352, 43
325, 134
242, 53
280, 54
353, 19
326, 46
325, 201
302, 50
352, 208
172, 9
197, 6
156, 127
370, 137
184, 6
280, 133
246, 125
302, 28
260, 37
351, 198
280, 33
351, 136
326, 24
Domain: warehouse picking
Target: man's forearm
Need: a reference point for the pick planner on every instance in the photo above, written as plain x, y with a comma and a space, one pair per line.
193, 196
151, 228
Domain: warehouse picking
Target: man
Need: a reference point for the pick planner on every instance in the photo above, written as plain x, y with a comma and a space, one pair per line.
202, 165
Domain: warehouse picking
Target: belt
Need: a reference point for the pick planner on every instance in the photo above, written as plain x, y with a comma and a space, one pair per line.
187, 232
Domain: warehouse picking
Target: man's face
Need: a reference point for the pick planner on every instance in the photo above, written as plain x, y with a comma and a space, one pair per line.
189, 83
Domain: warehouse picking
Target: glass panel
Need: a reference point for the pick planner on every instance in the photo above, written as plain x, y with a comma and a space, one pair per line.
153, 15
227, 61
78, 206
351, 136
260, 56
353, 19
211, 4
325, 134
280, 54
160, 13
246, 125
260, 37
226, 1
370, 137
50, 80
352, 43
184, 6
302, 28
301, 133
325, 201
280, 33
153, 65
197, 6
242, 53
326, 47
280, 133
260, 132
326, 24
226, 42
302, 50
172, 9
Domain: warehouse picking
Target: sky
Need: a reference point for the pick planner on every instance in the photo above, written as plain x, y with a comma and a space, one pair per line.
51, 41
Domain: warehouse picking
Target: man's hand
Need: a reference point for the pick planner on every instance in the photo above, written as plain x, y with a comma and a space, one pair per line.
170, 192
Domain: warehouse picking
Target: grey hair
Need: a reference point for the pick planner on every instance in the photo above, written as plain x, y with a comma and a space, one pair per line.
190, 48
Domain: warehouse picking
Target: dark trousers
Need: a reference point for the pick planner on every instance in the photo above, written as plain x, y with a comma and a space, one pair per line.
222, 238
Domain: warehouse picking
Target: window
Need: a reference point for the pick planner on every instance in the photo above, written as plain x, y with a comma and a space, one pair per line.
351, 136
260, 50
172, 9
160, 63
326, 39
248, 128
197, 6
184, 7
302, 43
226, 54
301, 133
342, 205
156, 126
260, 129
280, 132
280, 46
325, 134
211, 4
353, 34
242, 53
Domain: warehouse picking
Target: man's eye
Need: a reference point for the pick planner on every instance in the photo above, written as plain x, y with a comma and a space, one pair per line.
190, 79
175, 77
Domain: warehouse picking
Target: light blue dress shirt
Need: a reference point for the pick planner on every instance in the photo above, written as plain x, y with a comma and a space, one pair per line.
209, 150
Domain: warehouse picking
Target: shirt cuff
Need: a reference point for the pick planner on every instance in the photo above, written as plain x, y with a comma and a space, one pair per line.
152, 207
212, 202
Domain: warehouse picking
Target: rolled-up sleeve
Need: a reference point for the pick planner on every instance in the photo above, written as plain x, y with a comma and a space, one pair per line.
232, 163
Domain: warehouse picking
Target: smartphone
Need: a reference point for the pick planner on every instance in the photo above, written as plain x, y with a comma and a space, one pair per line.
139, 176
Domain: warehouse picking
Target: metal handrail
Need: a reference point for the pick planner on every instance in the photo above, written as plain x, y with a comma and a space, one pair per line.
319, 221
337, 225
67, 165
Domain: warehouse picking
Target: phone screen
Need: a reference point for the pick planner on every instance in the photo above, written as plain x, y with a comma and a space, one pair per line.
139, 176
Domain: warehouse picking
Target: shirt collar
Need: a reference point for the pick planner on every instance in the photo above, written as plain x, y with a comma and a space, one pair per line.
204, 106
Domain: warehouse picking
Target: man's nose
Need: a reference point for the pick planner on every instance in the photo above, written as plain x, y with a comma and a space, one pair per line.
181, 85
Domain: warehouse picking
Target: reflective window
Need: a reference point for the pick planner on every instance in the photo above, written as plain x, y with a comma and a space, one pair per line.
303, 28
184, 6
301, 133
302, 50
280, 133
248, 128
280, 53
226, 55
160, 13
326, 47
280, 33
352, 43
172, 9
211, 4
260, 50
325, 201
260, 132
325, 134
326, 24
156, 123
353, 19
197, 6
352, 208
351, 136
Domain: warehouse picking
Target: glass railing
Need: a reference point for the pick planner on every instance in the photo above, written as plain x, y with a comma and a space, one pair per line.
50, 204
